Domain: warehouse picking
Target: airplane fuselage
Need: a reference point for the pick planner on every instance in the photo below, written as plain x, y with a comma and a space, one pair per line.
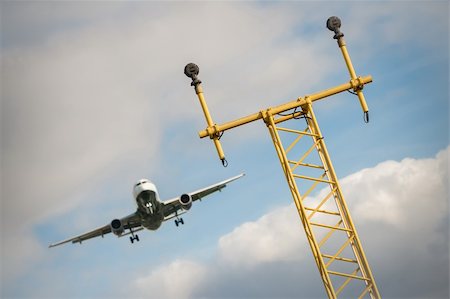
148, 203
150, 211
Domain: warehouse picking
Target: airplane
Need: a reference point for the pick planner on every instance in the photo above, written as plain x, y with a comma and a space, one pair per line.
151, 212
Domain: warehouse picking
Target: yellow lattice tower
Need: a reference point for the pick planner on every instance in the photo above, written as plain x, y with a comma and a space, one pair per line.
307, 166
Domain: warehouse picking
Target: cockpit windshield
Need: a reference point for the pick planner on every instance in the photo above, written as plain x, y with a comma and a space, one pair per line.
148, 195
141, 182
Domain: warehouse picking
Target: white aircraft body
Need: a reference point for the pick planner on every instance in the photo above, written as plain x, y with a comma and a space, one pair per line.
151, 212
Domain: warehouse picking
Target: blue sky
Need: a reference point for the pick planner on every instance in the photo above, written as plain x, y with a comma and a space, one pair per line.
93, 98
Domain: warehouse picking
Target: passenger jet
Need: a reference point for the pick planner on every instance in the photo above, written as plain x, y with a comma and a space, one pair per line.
151, 212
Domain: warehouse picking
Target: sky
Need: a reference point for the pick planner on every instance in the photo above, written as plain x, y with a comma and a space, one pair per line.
93, 98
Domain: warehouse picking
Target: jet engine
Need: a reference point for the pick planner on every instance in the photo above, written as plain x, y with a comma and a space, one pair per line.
117, 227
185, 201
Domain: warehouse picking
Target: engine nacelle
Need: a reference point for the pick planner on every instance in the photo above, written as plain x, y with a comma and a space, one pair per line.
185, 201
117, 227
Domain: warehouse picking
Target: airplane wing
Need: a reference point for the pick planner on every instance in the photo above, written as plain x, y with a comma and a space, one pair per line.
129, 222
172, 206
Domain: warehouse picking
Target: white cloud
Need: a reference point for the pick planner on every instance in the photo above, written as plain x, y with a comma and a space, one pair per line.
400, 208
394, 192
177, 280
271, 238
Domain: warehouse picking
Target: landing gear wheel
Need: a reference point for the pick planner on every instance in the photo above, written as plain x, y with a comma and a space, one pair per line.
133, 238
178, 221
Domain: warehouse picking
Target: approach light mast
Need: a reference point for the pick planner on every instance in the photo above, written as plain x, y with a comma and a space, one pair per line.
307, 166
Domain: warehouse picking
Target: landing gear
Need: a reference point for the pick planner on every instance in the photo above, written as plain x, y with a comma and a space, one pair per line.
178, 221
134, 238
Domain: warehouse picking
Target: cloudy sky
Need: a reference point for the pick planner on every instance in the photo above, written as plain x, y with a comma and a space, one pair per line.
93, 98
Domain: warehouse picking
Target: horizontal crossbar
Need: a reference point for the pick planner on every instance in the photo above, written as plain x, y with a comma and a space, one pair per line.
347, 275
297, 132
342, 259
306, 164
331, 227
298, 176
214, 130
323, 211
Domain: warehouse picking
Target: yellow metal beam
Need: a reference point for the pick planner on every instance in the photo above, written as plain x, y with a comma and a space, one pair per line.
349, 275
357, 87
214, 130
209, 121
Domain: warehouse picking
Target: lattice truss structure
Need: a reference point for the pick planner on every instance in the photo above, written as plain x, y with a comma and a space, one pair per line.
311, 178
330, 231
